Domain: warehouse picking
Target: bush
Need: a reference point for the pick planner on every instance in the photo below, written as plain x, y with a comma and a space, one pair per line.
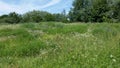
13, 18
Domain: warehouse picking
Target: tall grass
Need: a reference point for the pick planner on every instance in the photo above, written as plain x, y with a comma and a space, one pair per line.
59, 45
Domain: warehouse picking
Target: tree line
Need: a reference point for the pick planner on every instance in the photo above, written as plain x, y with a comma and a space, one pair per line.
82, 11
33, 16
95, 11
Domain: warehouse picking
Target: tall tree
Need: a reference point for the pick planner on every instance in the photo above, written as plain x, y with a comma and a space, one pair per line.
99, 10
95, 10
116, 10
80, 11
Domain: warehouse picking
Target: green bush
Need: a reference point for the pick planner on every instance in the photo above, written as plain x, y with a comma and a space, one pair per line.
13, 18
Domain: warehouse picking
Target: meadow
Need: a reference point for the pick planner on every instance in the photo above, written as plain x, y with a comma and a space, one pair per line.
60, 45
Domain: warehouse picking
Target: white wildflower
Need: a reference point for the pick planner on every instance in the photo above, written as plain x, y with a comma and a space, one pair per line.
111, 56
114, 60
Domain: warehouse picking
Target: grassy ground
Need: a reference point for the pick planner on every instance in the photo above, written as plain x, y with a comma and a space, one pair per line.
58, 45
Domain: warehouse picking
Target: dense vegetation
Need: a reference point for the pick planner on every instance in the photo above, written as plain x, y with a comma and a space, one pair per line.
95, 11
33, 16
59, 45
82, 11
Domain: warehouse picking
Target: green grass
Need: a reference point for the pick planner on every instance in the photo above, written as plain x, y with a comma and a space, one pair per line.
59, 45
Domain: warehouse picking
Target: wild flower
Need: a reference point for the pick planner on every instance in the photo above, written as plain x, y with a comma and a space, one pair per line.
111, 56
114, 60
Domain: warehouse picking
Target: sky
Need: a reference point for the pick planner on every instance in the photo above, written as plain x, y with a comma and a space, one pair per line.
23, 6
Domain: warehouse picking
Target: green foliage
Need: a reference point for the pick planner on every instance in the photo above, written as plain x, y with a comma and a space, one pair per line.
3, 18
80, 10
61, 17
116, 9
33, 16
10, 18
100, 7
13, 18
49, 17
95, 11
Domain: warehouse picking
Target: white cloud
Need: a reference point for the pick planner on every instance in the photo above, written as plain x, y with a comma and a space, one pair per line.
24, 6
51, 3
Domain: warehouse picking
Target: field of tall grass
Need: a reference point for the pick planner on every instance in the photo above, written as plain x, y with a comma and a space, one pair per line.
60, 45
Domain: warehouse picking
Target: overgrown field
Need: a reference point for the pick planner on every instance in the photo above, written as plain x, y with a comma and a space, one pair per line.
59, 45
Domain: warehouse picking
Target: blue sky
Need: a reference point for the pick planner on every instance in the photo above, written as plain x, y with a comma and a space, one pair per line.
22, 6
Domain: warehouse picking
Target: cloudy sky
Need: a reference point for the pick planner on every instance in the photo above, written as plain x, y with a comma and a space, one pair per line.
22, 6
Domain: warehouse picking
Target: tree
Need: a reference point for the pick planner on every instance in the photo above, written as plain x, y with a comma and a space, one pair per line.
99, 10
3, 18
13, 18
49, 17
37, 16
80, 11
32, 16
95, 10
60, 17
116, 11
64, 17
